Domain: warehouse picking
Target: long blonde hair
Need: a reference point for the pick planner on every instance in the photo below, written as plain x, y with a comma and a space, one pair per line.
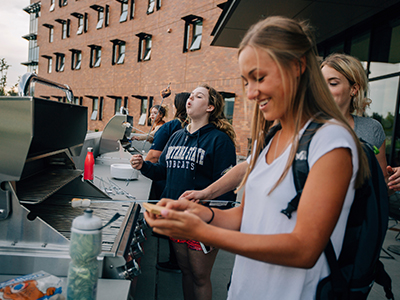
351, 68
288, 41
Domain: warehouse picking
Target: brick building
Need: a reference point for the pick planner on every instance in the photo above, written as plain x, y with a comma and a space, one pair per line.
123, 52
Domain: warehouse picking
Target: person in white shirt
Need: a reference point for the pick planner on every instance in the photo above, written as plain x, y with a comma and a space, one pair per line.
278, 257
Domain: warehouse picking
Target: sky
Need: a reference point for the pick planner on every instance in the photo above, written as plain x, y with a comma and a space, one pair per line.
14, 23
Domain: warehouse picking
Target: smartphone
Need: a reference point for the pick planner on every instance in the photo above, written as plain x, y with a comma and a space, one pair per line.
206, 249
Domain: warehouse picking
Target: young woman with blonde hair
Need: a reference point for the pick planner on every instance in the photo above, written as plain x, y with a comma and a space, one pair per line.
278, 257
348, 83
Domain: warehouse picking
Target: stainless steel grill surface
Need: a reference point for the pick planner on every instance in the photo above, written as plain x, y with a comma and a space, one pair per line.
38, 180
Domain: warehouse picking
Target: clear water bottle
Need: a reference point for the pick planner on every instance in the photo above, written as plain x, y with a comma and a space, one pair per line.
85, 246
89, 165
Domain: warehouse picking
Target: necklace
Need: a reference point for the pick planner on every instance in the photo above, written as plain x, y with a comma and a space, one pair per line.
277, 143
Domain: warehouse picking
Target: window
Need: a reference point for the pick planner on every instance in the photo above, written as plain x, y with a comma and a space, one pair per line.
66, 25
132, 12
51, 34
100, 20
95, 56
360, 46
52, 5
64, 30
103, 15
82, 22
144, 46
394, 56
229, 105
80, 26
152, 5
193, 33
125, 106
117, 106
95, 108
62, 3
77, 100
124, 11
49, 63
150, 8
51, 31
33, 55
118, 54
107, 16
143, 106
101, 108
60, 62
86, 19
150, 105
76, 59
59, 98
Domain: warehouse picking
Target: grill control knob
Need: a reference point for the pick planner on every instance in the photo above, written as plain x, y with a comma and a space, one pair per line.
136, 250
131, 271
140, 237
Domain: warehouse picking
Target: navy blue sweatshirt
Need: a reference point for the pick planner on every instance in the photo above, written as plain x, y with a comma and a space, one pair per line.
193, 161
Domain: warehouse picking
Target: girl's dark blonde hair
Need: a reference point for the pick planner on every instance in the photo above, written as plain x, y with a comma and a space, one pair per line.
288, 41
217, 116
351, 68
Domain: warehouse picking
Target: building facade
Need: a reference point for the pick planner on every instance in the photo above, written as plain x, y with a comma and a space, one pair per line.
115, 53
122, 53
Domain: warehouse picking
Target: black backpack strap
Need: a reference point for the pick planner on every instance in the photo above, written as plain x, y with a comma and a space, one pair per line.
339, 284
300, 166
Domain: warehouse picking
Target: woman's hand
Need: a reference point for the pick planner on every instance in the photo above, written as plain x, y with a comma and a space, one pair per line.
394, 178
177, 217
194, 195
137, 161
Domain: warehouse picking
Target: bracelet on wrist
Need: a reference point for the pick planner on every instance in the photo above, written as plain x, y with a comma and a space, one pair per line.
212, 217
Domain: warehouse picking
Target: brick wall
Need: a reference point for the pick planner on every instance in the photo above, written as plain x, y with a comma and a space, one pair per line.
216, 66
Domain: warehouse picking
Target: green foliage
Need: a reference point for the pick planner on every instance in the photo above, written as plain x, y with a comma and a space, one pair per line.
3, 80
3, 71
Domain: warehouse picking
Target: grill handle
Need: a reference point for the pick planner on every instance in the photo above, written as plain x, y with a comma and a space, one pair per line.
28, 78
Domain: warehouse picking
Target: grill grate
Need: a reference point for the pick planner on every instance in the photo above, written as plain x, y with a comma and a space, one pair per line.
58, 213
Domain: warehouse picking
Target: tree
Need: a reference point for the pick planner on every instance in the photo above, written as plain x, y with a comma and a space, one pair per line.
13, 91
3, 80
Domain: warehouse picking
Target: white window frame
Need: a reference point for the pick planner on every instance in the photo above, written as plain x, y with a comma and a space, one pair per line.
52, 5
124, 12
81, 25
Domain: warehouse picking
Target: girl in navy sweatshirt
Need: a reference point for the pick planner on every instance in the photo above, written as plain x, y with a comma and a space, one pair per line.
193, 158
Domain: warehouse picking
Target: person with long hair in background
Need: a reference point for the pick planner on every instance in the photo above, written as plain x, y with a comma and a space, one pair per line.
157, 115
348, 83
193, 158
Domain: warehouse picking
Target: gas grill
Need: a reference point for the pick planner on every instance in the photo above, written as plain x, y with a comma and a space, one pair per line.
40, 140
